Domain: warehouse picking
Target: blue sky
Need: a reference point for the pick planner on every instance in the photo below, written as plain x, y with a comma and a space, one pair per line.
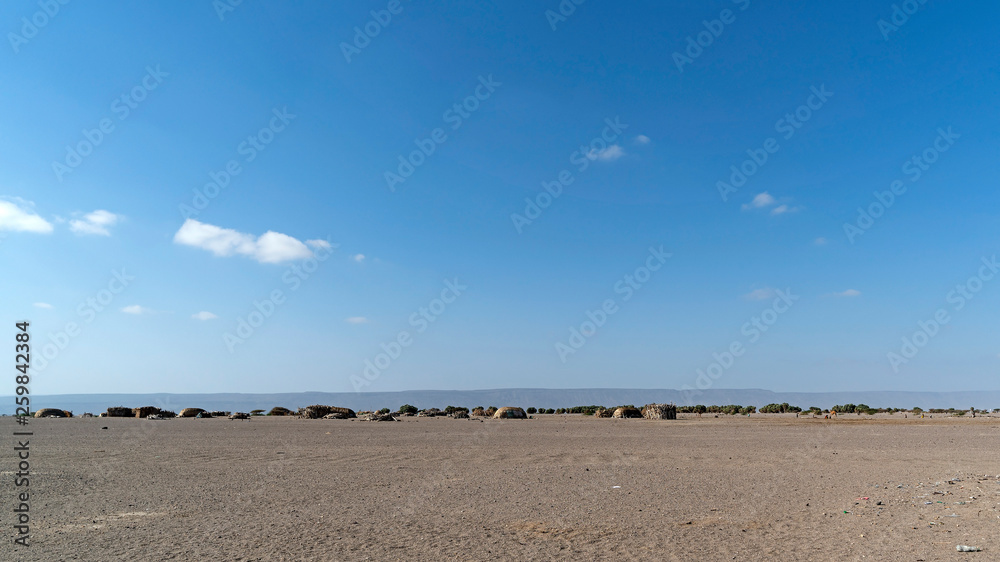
446, 276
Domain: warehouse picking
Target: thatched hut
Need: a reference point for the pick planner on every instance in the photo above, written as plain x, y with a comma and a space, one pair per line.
239, 416
52, 413
460, 415
119, 412
627, 412
510, 413
603, 413
317, 411
479, 412
659, 412
145, 411
191, 412
220, 414
167, 414
279, 411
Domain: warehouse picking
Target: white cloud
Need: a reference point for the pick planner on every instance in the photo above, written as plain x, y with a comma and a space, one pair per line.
136, 309
819, 241
848, 293
613, 152
356, 320
761, 200
319, 244
271, 247
642, 139
96, 223
359, 258
204, 315
780, 209
43, 305
759, 294
17, 216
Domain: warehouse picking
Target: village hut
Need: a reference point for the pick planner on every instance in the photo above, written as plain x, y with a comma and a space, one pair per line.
510, 413
626, 412
659, 412
167, 414
220, 414
279, 411
145, 411
191, 412
460, 415
603, 413
119, 412
479, 412
52, 413
239, 416
318, 411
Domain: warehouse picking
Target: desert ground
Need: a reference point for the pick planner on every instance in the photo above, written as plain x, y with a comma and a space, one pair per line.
558, 487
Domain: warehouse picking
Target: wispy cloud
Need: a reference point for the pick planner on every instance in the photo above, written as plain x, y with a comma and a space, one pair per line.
356, 320
44, 305
848, 293
204, 315
759, 294
641, 139
136, 309
359, 258
820, 241
613, 152
95, 223
760, 201
17, 215
270, 247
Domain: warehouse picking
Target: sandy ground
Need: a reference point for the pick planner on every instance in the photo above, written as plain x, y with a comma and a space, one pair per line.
557, 487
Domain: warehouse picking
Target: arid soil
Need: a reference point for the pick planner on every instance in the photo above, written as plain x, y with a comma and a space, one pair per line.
557, 487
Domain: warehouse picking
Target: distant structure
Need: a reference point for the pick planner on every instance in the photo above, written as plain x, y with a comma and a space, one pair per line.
510, 413
626, 412
659, 412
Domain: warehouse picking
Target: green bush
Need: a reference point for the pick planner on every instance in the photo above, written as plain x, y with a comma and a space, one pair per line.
408, 409
531, 410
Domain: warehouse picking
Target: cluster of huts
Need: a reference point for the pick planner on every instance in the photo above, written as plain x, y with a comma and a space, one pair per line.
318, 411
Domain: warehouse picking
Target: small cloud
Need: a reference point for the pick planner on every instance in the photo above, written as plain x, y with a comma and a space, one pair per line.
95, 223
759, 294
848, 293
319, 244
136, 309
359, 258
820, 241
356, 320
613, 152
17, 216
44, 305
204, 315
781, 209
642, 139
760, 201
270, 247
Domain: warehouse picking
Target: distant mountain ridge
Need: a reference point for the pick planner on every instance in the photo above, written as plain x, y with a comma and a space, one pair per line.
524, 397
